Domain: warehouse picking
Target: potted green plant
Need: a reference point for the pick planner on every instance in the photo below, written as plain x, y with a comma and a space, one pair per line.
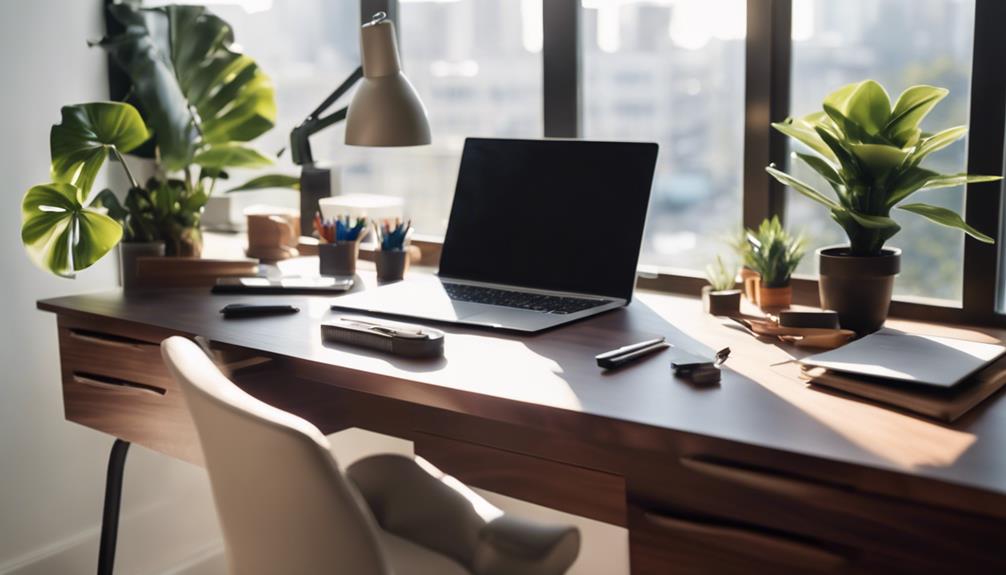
720, 297
870, 153
201, 103
774, 253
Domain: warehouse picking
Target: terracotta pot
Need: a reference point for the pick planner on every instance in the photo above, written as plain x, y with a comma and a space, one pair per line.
128, 254
749, 281
725, 302
391, 265
338, 259
774, 298
858, 288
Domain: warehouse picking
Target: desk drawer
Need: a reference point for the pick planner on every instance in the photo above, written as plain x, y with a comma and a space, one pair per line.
114, 381
873, 529
97, 350
662, 542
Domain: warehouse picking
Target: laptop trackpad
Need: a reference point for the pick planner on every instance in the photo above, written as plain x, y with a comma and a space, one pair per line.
420, 298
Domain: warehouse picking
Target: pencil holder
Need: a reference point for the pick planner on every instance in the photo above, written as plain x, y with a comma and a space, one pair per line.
338, 259
391, 265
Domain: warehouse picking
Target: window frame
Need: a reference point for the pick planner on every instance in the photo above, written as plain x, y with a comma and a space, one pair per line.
768, 51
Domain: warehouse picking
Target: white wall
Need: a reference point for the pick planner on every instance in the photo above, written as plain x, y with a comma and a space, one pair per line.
52, 471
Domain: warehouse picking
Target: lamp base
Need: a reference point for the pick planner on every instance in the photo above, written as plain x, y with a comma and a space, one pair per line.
315, 184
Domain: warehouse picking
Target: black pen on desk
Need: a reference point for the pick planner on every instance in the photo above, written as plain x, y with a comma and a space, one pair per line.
240, 310
629, 353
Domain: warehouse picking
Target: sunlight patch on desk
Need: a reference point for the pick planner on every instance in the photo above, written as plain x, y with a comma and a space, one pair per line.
905, 440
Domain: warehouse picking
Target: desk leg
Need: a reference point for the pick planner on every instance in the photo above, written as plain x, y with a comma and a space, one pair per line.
110, 514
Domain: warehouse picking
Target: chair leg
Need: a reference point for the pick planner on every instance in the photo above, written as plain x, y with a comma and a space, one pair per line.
110, 514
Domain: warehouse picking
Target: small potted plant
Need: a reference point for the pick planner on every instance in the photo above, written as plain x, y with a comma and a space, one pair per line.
720, 297
870, 153
774, 254
202, 105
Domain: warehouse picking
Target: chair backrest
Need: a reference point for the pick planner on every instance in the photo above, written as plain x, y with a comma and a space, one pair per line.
283, 503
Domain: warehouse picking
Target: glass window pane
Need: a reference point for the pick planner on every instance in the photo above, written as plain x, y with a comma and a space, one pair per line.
475, 63
898, 43
477, 66
672, 72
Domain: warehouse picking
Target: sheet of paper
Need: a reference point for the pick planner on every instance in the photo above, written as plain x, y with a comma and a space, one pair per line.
928, 360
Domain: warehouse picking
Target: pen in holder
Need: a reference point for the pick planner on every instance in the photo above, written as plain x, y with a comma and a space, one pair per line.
339, 244
392, 259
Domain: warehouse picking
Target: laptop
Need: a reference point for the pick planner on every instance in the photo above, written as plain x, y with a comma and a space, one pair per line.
541, 233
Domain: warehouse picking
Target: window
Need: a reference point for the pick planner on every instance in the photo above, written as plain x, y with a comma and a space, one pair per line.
476, 65
672, 72
899, 43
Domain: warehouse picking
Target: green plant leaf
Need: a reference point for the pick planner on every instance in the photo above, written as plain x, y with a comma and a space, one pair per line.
192, 85
878, 159
874, 222
221, 156
108, 200
845, 158
839, 99
948, 218
81, 142
803, 188
848, 127
801, 131
868, 106
60, 234
268, 181
954, 180
822, 167
912, 106
909, 181
938, 141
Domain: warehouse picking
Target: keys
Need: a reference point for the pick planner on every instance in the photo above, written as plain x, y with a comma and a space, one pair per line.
520, 300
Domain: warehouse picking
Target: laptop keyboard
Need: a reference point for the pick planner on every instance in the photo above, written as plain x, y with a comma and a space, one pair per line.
521, 300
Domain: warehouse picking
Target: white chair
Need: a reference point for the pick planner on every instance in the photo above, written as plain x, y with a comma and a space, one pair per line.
286, 508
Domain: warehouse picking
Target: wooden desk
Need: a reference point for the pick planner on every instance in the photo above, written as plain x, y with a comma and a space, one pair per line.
759, 474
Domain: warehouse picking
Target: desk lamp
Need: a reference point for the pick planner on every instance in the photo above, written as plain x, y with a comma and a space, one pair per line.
385, 111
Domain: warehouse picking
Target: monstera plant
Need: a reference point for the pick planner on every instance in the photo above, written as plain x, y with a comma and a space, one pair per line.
198, 104
870, 153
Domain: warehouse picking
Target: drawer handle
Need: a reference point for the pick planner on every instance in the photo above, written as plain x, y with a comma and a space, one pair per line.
112, 383
755, 543
763, 480
106, 339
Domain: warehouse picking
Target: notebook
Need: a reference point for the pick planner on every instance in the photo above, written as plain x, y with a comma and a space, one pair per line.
917, 359
944, 404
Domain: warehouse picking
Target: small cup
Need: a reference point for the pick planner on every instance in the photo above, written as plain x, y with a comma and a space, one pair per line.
338, 259
391, 265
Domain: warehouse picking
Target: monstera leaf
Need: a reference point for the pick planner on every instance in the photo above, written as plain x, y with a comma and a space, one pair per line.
81, 142
194, 89
60, 234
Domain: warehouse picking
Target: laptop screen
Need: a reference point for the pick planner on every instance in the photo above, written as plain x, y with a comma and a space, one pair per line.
563, 215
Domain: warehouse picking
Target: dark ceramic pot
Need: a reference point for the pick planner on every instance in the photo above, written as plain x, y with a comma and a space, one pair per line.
725, 302
391, 265
858, 288
338, 259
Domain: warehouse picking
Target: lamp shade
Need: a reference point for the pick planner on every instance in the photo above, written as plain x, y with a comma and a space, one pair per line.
386, 110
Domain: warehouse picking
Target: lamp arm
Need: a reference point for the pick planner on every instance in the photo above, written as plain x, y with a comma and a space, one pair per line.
300, 143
